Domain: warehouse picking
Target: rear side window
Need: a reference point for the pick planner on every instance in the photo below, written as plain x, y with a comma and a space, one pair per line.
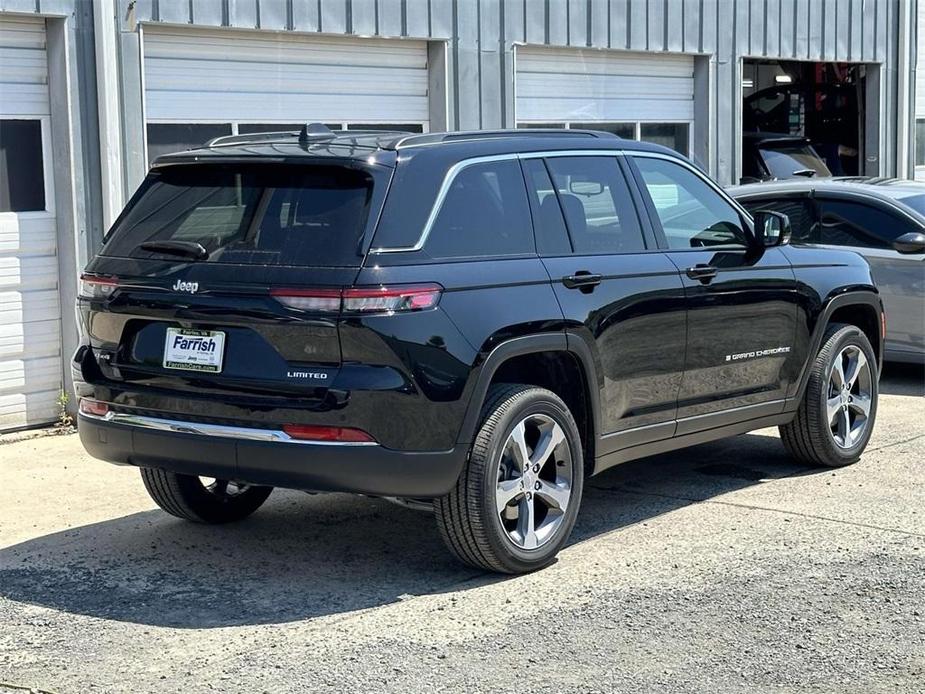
598, 208
255, 214
844, 223
484, 213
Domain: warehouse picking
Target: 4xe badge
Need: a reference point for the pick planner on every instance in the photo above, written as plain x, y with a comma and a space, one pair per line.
181, 286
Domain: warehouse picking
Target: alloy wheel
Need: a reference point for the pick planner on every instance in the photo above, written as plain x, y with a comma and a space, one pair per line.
224, 489
534, 481
849, 396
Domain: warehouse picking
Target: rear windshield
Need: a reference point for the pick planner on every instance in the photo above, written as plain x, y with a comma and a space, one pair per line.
255, 214
786, 160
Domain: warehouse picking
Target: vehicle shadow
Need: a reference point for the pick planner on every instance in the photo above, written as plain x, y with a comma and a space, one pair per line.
902, 379
305, 556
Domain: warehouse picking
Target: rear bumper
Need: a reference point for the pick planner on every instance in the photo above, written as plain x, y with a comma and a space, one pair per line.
267, 457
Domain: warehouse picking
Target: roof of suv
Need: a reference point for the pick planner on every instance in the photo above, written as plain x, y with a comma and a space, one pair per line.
383, 147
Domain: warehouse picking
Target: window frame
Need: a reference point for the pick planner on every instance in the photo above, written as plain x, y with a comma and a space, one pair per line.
47, 172
806, 197
744, 217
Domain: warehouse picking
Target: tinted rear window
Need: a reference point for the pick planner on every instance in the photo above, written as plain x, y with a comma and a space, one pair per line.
256, 214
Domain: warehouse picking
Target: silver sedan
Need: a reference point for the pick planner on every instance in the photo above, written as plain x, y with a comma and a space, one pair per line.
883, 220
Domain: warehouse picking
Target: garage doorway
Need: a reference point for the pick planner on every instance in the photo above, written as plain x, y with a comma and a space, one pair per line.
792, 111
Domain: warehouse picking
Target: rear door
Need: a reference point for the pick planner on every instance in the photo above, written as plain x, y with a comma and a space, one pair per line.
621, 297
228, 277
741, 299
869, 227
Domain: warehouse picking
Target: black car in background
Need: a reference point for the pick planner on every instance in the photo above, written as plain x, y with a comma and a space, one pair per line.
768, 157
472, 321
882, 219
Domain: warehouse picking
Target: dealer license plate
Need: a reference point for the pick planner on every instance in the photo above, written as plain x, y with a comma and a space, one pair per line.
194, 350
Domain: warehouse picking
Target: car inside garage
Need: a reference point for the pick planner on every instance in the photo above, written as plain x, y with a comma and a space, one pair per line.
795, 114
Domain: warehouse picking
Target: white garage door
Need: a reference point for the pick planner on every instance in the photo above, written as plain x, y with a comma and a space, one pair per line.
200, 84
30, 313
636, 95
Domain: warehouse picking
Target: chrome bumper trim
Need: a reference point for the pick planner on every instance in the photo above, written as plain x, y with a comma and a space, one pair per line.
218, 430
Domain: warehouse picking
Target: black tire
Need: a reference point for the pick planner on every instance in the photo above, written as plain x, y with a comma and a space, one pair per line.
467, 517
186, 497
809, 437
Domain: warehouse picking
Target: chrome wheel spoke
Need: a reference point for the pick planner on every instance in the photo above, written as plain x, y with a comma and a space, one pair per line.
838, 371
506, 492
856, 363
833, 408
518, 443
860, 404
556, 496
526, 526
547, 445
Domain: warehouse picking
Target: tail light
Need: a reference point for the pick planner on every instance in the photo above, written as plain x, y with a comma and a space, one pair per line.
361, 299
97, 287
308, 432
95, 408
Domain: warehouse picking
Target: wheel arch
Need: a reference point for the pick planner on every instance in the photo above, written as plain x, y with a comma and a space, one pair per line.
545, 360
862, 308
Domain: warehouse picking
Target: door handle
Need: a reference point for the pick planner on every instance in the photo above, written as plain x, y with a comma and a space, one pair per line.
701, 272
582, 280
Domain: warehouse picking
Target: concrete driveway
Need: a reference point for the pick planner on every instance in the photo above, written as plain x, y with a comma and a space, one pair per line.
724, 568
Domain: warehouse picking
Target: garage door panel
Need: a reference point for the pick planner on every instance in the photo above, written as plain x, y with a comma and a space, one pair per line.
26, 409
27, 236
283, 107
31, 369
28, 307
177, 75
193, 76
36, 339
587, 85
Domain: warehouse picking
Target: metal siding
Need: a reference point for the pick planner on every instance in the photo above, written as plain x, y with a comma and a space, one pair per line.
280, 77
619, 27
390, 23
557, 26
468, 73
363, 17
441, 18
174, 12
305, 16
491, 86
578, 23
24, 77
274, 14
242, 13
599, 19
417, 19
208, 12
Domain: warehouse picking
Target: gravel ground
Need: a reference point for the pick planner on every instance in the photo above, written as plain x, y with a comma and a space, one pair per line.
724, 568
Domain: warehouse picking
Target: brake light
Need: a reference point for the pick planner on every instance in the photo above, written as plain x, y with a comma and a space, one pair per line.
309, 432
97, 287
94, 408
380, 299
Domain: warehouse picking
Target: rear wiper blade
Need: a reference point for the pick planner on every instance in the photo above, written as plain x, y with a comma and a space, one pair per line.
809, 173
190, 249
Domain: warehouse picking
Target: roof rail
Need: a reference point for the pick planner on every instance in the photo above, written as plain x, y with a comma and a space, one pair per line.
435, 138
310, 133
227, 140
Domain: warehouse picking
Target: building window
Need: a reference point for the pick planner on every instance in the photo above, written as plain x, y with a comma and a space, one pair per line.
22, 173
673, 135
920, 142
164, 138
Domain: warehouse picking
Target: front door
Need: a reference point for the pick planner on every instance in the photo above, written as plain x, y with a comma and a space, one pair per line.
741, 299
869, 229
620, 296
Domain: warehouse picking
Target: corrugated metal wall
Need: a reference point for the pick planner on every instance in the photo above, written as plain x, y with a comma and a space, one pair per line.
481, 57
481, 35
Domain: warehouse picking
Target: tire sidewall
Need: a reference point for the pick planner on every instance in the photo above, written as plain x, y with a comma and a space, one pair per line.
537, 401
849, 335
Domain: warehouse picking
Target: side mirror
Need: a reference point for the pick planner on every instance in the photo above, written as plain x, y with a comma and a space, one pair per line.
772, 228
913, 242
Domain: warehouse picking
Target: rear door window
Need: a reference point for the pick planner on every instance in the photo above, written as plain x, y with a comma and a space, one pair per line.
598, 207
257, 214
484, 213
845, 223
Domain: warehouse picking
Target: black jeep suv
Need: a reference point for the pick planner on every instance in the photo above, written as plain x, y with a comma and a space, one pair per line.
471, 321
